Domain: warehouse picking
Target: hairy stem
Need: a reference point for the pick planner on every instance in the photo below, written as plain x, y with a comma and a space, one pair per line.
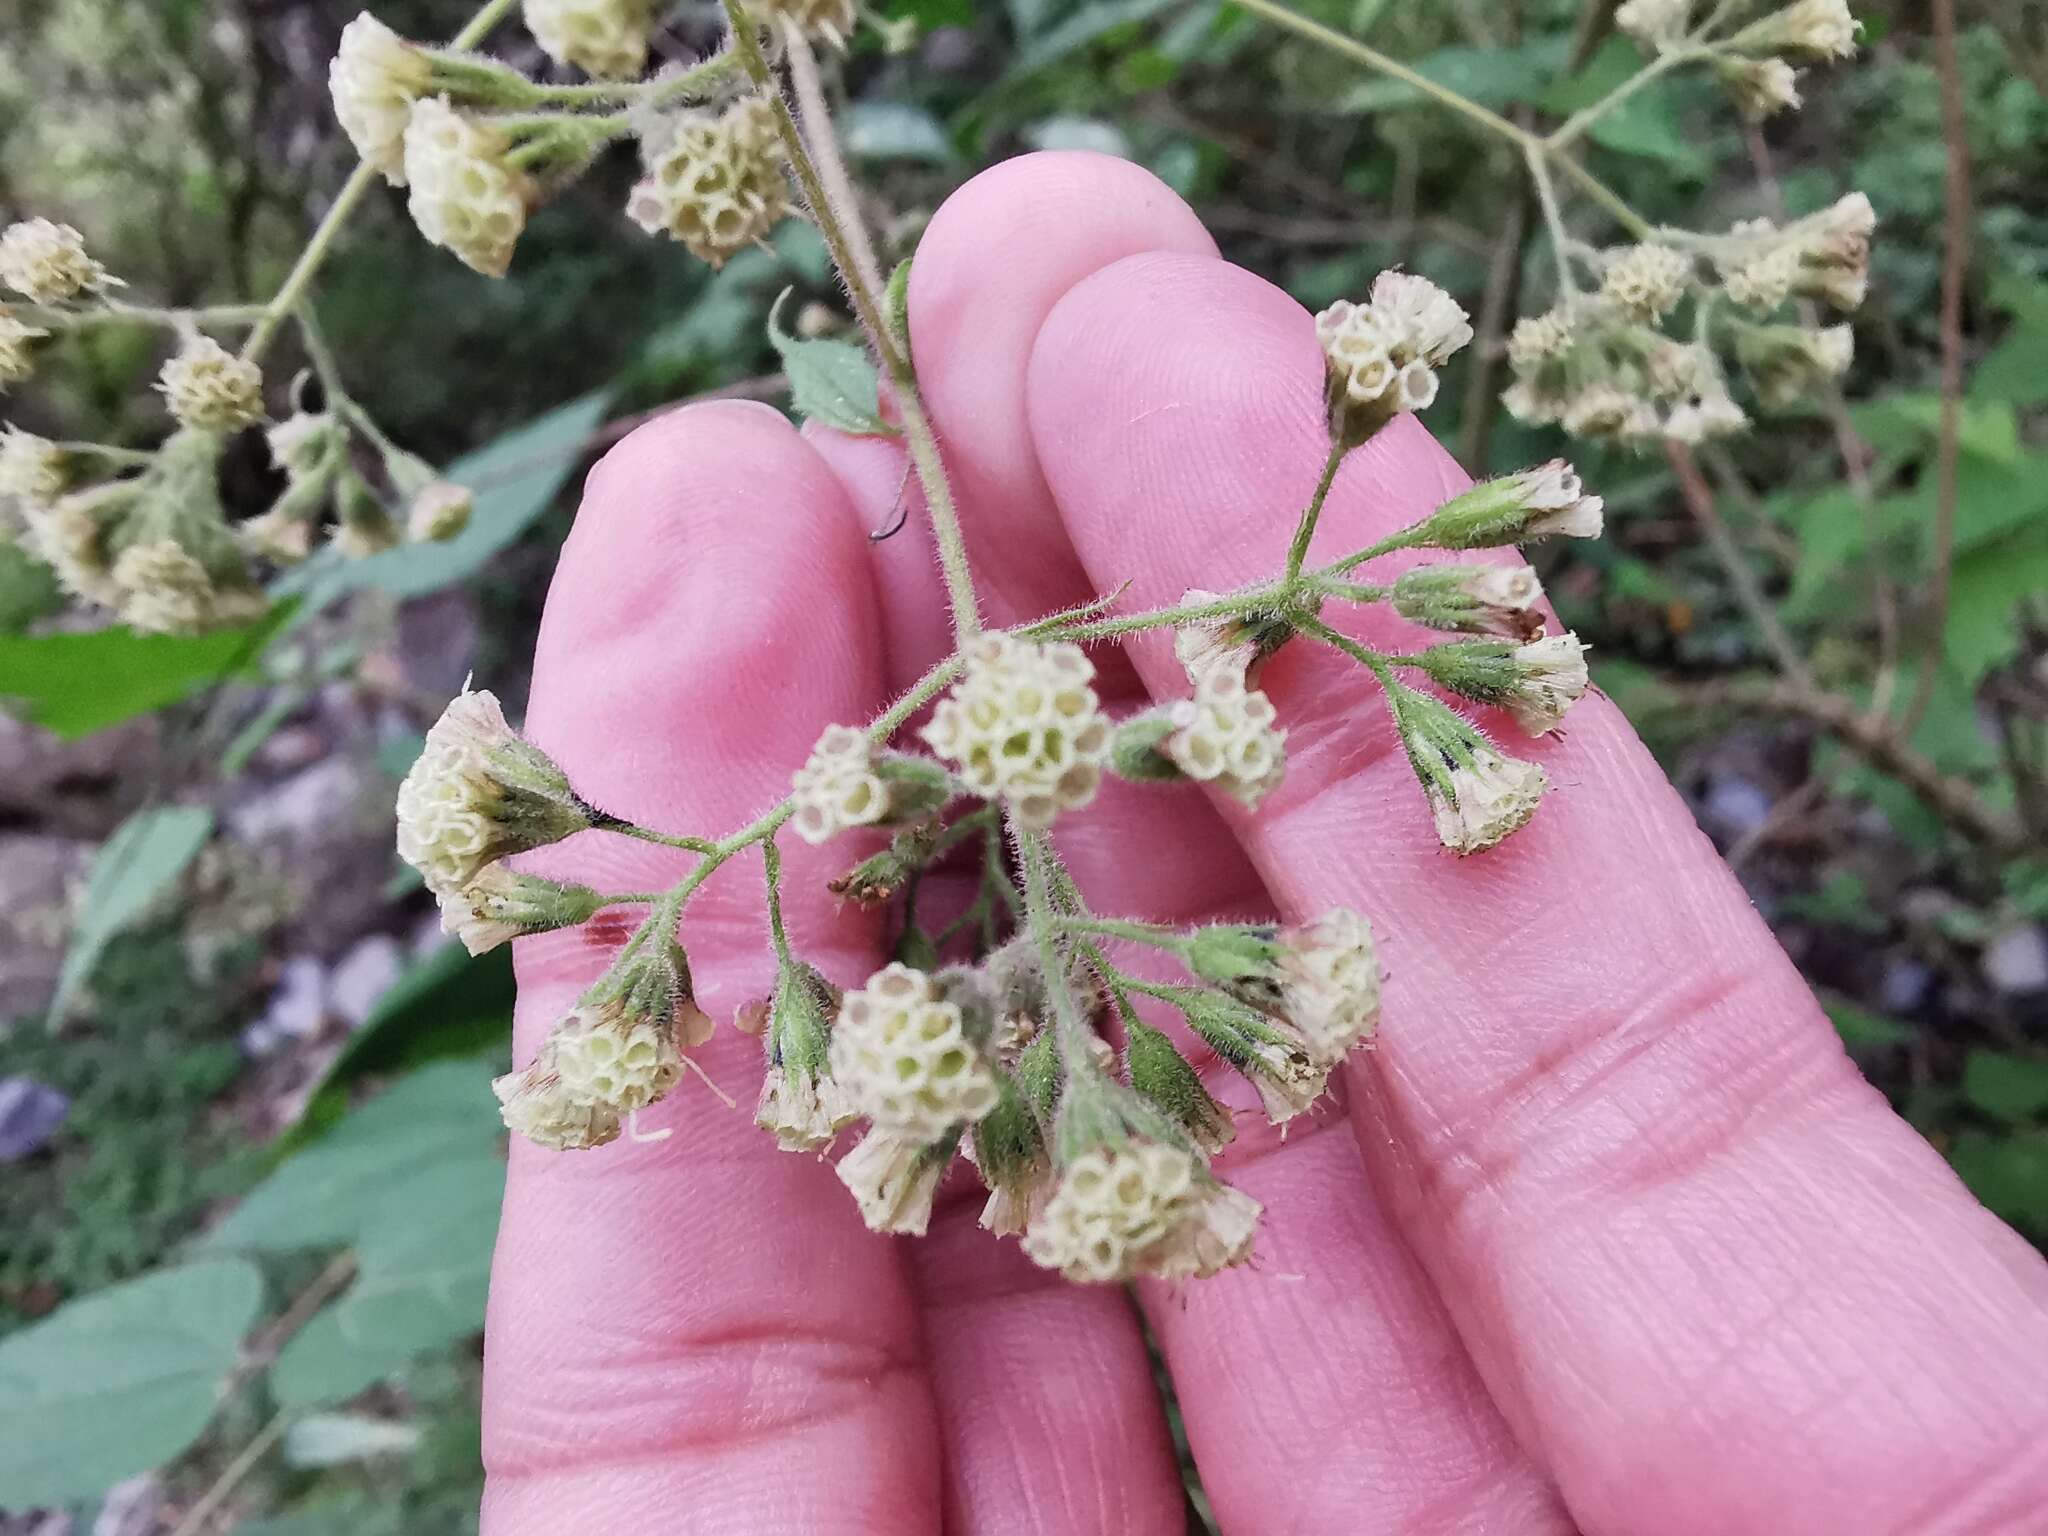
1305, 529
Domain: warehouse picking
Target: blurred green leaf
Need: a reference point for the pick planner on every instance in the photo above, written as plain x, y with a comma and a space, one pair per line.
1842, 900
1861, 1029
1086, 25
2006, 1087
2009, 1173
515, 479
2016, 371
1988, 583
832, 382
385, 1165
133, 867
1493, 77
28, 588
120, 1381
895, 130
425, 1269
75, 684
1645, 124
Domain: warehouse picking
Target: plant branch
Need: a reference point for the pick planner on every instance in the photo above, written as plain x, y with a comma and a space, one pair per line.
1698, 497
1305, 528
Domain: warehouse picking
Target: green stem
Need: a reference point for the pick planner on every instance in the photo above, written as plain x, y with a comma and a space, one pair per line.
771, 863
642, 834
231, 1476
1351, 591
1553, 218
1153, 934
1616, 206
352, 192
1256, 599
1381, 666
1351, 562
1575, 126
1305, 529
1074, 1036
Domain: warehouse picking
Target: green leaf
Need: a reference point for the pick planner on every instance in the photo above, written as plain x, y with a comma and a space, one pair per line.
895, 130
1861, 1029
2009, 1173
1085, 26
833, 382
383, 1166
120, 1381
1645, 124
75, 684
2006, 1087
515, 479
1988, 583
422, 1283
133, 867
28, 588
1493, 77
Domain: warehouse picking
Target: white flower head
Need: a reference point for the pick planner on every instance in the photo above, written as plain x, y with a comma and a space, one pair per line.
47, 262
538, 1105
1225, 735
1540, 339
71, 535
1659, 23
1023, 725
801, 1110
1472, 599
900, 1053
477, 793
1548, 501
1382, 355
467, 196
375, 78
1329, 974
17, 357
608, 1053
1483, 802
1817, 29
894, 1179
500, 905
1119, 1211
1551, 678
1711, 414
32, 469
717, 182
1607, 411
1760, 87
846, 783
438, 512
210, 389
1788, 363
605, 38
1646, 282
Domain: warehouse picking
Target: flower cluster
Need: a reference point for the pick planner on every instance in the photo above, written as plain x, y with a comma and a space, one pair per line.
17, 359
717, 183
375, 78
1141, 1208
832, 20
1225, 735
47, 263
1024, 726
901, 1055
1755, 63
606, 38
1383, 355
210, 389
467, 195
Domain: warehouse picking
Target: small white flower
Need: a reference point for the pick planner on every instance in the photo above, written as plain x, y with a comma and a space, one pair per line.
500, 905
1760, 87
1709, 415
1557, 503
1140, 1208
1646, 282
1659, 23
466, 194
70, 535
32, 469
1382, 355
1606, 410
538, 1105
1820, 29
1225, 735
47, 262
717, 182
17, 359
837, 787
1329, 976
832, 20
901, 1054
605, 38
1787, 363
375, 78
210, 389
1553, 677
439, 512
803, 1112
477, 793
607, 1054
893, 1179
1024, 726
1539, 339
1483, 802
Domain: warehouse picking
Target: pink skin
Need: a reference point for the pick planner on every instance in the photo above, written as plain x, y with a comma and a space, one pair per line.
1621, 1242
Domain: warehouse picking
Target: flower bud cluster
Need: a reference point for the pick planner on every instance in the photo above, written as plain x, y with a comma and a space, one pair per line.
1382, 355
1645, 282
1023, 725
209, 389
901, 1055
1141, 1207
605, 38
375, 78
467, 195
1471, 599
846, 783
1480, 796
477, 793
47, 263
1658, 23
17, 357
717, 182
1321, 981
1225, 735
32, 469
1824, 256
1549, 501
1535, 682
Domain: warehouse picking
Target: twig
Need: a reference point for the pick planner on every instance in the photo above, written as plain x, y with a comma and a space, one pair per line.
1698, 497
1957, 801
1955, 267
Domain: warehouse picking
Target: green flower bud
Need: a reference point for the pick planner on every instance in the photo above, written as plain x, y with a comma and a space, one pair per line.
1162, 1075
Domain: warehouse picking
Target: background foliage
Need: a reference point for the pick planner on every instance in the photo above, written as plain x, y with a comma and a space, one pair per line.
295, 1201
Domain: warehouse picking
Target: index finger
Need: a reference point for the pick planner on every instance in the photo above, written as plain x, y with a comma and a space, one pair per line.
699, 1326
1715, 1283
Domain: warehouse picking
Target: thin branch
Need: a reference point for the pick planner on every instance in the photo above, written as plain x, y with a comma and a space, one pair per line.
1955, 270
1698, 497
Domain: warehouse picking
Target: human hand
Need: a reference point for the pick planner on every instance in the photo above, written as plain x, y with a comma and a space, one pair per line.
1611, 1237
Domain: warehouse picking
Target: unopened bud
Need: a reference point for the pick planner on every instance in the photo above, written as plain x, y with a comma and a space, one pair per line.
1160, 1074
209, 389
1536, 682
500, 905
1472, 599
1516, 509
47, 263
